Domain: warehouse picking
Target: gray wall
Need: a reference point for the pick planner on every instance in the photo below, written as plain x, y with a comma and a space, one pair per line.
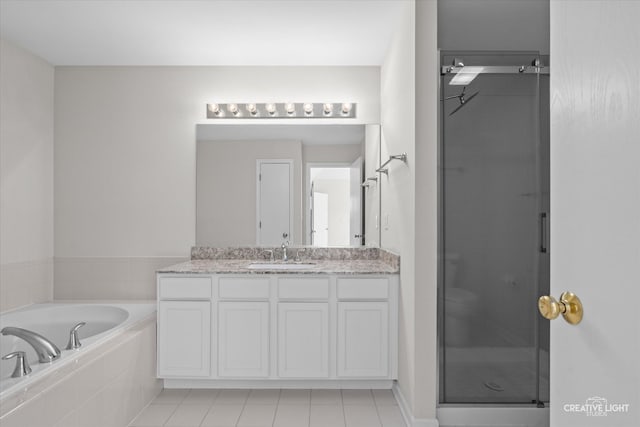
409, 112
493, 25
26, 177
226, 189
397, 118
125, 159
372, 193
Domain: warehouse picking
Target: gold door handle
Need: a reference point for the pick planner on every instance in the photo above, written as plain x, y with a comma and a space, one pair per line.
569, 306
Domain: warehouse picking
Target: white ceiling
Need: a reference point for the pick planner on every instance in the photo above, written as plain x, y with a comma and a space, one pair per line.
208, 32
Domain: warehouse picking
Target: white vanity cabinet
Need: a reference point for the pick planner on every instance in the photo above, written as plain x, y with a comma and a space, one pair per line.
303, 340
277, 328
243, 326
184, 327
303, 327
243, 339
363, 339
363, 327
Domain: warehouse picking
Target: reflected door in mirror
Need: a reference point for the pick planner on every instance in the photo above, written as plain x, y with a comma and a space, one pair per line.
274, 201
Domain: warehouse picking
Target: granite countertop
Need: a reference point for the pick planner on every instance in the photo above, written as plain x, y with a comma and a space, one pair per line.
320, 266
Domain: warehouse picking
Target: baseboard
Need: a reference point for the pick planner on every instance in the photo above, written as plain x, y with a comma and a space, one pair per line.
494, 416
238, 383
409, 419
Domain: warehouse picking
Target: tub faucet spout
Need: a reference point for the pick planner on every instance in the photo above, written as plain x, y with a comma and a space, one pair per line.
46, 350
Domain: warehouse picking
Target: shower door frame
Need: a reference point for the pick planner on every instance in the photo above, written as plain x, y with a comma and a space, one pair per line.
445, 69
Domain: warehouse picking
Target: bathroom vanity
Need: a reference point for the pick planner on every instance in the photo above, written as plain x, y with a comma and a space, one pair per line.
230, 323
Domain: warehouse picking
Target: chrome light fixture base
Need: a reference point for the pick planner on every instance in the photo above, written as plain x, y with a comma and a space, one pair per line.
282, 110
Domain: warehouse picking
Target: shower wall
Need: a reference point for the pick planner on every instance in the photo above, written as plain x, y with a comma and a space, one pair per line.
494, 181
491, 191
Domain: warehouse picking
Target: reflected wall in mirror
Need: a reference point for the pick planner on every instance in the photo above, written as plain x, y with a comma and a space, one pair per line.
254, 181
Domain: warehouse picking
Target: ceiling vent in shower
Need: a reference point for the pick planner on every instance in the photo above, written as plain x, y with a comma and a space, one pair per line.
466, 76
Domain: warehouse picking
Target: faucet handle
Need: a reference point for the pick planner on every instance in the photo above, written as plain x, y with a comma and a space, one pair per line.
297, 258
74, 341
22, 365
270, 252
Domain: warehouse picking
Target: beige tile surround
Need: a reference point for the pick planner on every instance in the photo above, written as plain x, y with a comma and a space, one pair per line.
25, 283
108, 277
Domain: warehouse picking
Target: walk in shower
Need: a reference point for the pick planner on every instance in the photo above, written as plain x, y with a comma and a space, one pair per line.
494, 249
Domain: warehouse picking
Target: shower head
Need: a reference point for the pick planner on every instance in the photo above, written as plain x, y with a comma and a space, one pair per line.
463, 100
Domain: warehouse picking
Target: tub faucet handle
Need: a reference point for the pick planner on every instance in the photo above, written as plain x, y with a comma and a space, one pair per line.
22, 366
46, 350
74, 341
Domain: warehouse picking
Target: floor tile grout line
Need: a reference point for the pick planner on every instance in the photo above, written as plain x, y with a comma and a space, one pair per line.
205, 415
344, 414
273, 420
171, 415
242, 411
142, 410
377, 412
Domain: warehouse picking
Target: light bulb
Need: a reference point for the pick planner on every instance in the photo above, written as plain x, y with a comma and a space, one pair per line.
271, 109
251, 108
233, 108
290, 108
327, 109
346, 108
214, 109
308, 109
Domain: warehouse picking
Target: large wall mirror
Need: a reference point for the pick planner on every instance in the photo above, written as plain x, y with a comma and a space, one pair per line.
267, 184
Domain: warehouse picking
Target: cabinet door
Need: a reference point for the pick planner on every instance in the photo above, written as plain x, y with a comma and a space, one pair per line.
363, 339
243, 339
303, 340
184, 339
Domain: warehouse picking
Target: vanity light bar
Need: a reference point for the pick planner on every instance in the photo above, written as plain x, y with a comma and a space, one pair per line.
282, 110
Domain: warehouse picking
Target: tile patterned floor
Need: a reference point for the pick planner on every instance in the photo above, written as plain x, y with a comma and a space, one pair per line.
271, 408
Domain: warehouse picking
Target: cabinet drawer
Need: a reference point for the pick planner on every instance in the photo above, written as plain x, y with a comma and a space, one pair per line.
185, 288
244, 288
303, 288
363, 288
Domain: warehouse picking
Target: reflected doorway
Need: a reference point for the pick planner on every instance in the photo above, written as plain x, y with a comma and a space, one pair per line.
335, 204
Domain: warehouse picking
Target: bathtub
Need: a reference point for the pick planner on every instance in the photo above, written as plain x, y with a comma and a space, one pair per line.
53, 321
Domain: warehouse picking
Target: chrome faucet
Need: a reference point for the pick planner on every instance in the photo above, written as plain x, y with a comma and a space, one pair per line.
297, 258
284, 247
22, 366
45, 349
74, 342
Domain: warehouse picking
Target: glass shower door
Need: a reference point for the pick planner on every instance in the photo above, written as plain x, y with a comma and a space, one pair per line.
494, 259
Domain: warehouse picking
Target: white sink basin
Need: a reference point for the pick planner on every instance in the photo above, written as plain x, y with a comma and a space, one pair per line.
277, 266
